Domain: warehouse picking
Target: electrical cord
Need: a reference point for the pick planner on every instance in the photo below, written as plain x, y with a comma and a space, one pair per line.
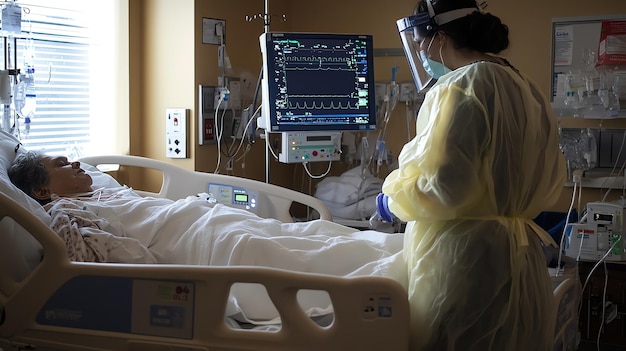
218, 133
268, 146
330, 164
601, 260
232, 155
606, 280
245, 130
577, 179
621, 171
254, 99
228, 150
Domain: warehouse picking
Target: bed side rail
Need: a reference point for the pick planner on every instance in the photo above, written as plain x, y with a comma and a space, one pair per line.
178, 183
65, 305
49, 241
370, 313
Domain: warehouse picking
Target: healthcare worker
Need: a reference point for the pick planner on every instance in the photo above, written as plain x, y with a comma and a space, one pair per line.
484, 163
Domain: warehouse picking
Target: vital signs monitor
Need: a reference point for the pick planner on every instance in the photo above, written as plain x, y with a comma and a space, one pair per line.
317, 82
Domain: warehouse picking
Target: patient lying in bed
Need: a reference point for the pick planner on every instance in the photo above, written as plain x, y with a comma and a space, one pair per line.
118, 225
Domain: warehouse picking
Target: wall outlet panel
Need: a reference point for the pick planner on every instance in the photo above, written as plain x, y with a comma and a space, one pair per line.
176, 132
206, 114
210, 128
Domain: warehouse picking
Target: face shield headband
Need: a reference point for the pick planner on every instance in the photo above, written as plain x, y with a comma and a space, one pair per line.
414, 29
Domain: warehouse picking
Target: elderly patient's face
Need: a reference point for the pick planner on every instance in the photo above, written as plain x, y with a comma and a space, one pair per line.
65, 177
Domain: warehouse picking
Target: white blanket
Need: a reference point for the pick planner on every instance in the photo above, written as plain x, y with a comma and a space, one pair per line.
194, 231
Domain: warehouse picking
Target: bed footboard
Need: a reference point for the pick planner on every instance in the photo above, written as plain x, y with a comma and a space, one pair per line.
271, 201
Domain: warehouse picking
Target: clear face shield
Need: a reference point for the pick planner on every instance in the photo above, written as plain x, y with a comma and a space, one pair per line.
413, 30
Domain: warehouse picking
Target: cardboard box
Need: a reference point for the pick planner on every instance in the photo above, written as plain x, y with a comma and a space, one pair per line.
612, 45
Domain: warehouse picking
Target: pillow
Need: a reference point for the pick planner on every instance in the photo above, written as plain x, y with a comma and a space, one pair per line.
9, 148
14, 238
100, 179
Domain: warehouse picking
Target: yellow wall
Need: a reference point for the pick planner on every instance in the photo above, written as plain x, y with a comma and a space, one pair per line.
242, 47
163, 40
168, 60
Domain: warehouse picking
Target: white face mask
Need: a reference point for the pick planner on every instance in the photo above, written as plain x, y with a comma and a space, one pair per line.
433, 68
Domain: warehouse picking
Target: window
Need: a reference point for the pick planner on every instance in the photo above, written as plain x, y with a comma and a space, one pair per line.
77, 53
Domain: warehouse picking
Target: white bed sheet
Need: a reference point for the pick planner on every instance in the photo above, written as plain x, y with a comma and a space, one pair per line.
196, 232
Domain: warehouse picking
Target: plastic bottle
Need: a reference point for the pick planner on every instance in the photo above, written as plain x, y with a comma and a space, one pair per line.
30, 96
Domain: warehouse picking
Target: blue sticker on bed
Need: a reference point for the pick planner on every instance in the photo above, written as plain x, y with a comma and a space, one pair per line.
90, 302
124, 305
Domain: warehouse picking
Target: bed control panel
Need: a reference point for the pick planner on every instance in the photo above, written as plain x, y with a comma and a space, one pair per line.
233, 196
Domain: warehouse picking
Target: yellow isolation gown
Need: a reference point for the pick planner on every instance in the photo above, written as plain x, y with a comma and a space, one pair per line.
484, 163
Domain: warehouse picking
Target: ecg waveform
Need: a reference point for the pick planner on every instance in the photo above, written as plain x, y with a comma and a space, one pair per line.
320, 59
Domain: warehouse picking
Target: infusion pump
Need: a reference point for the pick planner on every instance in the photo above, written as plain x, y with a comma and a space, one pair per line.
602, 234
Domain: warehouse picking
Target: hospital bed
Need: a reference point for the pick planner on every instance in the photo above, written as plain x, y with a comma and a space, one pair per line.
48, 302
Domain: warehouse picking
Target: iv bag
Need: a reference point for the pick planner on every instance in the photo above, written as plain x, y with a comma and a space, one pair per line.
30, 96
579, 149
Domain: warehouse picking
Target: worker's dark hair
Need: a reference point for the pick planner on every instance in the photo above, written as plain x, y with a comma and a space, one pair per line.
478, 31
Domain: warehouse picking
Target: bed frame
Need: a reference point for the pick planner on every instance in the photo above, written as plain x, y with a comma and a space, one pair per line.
64, 305
273, 201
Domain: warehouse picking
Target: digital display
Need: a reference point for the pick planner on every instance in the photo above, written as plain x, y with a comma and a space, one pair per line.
318, 81
603, 217
318, 138
241, 197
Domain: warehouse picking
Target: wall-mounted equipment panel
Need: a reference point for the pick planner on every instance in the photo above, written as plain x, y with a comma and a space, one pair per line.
176, 132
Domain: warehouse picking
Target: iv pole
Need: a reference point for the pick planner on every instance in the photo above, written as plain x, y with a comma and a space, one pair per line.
266, 16
266, 28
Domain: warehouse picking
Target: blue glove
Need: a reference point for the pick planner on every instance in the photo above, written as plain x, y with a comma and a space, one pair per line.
382, 208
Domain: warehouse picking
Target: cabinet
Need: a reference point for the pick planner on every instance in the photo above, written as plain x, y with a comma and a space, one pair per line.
614, 328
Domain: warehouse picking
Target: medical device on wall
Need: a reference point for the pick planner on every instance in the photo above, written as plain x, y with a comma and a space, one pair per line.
232, 196
602, 235
299, 147
317, 81
176, 130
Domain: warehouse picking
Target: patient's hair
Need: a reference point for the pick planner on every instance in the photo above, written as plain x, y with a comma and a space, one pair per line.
28, 173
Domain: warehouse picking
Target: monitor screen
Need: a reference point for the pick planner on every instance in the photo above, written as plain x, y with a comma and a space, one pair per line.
317, 81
